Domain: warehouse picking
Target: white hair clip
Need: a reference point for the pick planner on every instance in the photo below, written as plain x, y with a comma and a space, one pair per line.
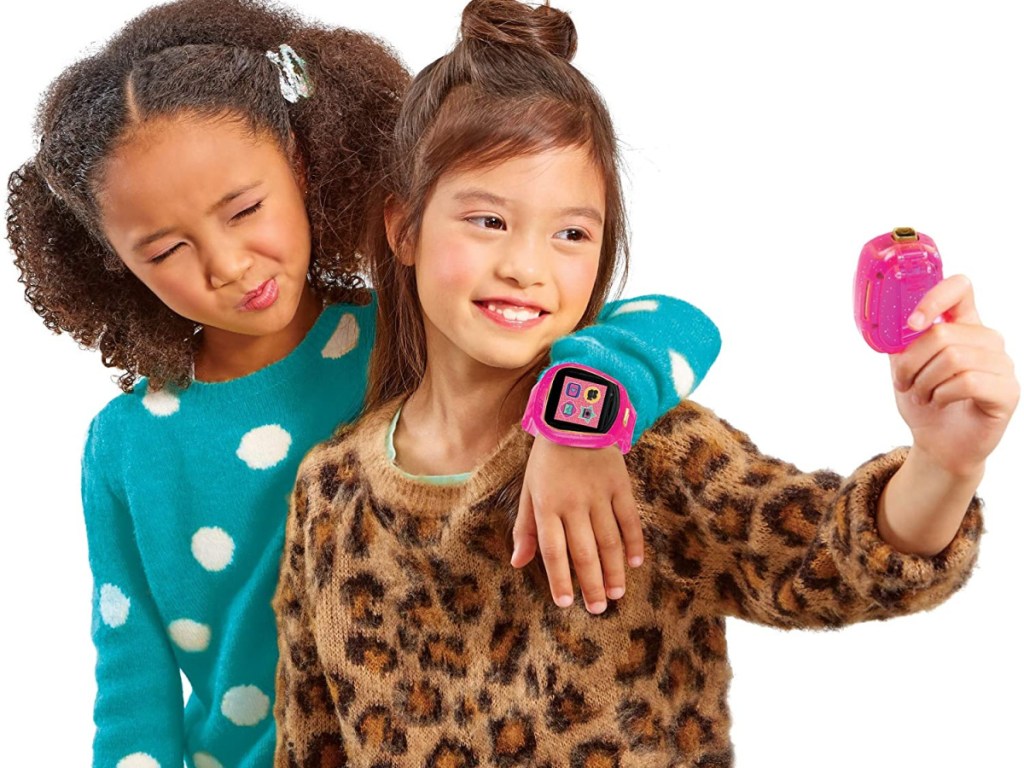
292, 73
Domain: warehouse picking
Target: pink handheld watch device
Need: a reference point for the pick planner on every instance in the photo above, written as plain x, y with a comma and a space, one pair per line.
579, 406
894, 273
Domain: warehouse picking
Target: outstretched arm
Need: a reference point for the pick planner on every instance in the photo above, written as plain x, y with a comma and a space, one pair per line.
956, 389
576, 501
750, 536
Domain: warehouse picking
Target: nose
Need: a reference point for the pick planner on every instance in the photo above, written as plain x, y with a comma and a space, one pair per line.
226, 264
523, 261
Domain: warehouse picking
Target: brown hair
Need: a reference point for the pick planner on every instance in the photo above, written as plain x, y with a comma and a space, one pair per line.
205, 58
507, 89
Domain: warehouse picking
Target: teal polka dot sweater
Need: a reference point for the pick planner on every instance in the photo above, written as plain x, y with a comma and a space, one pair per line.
186, 495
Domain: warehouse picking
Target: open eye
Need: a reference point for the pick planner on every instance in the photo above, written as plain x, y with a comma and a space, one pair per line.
161, 256
487, 222
573, 234
248, 211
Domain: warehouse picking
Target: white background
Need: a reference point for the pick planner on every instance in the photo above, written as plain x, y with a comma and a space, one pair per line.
765, 143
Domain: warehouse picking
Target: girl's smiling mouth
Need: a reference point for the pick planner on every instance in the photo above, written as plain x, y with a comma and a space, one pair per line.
511, 313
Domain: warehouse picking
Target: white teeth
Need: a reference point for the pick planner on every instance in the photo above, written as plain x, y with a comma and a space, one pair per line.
513, 314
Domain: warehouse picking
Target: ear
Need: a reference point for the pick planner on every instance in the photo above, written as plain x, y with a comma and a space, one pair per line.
394, 220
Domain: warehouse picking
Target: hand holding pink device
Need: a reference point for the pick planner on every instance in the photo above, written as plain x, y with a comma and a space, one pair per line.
894, 273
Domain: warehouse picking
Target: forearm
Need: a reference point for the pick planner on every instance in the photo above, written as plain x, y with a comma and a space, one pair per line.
923, 505
658, 347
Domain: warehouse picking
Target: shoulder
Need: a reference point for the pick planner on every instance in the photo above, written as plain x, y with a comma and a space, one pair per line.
350, 446
690, 421
693, 436
125, 412
118, 414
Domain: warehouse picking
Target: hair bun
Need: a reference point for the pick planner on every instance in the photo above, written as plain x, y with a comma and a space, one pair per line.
509, 22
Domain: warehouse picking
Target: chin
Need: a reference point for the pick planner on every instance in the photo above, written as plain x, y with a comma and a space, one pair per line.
513, 361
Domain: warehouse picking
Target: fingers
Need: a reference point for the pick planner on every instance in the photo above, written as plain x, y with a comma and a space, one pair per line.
587, 564
957, 361
952, 299
609, 548
577, 508
524, 532
957, 340
993, 394
552, 545
629, 526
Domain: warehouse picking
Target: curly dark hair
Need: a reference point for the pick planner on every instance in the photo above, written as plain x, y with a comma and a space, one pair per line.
204, 58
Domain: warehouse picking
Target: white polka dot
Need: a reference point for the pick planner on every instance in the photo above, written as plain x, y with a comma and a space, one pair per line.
138, 760
161, 403
343, 340
245, 705
642, 305
114, 605
189, 635
213, 548
206, 760
263, 447
682, 374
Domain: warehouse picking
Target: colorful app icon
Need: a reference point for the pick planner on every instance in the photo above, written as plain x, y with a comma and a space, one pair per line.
572, 389
593, 394
586, 413
568, 409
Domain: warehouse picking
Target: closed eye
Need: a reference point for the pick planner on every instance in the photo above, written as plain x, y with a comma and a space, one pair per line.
161, 256
248, 211
487, 222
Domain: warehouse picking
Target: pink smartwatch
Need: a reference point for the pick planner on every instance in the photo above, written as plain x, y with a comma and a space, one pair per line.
579, 406
894, 272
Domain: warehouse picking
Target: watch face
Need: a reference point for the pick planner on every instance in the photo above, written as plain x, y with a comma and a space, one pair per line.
580, 401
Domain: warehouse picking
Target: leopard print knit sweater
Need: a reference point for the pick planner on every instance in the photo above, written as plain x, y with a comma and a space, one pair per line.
407, 640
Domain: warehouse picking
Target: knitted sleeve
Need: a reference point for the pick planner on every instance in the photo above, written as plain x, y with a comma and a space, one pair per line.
308, 727
139, 708
658, 347
762, 541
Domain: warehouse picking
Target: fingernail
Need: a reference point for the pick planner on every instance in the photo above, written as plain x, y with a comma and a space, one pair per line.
563, 601
636, 561
597, 607
916, 321
616, 592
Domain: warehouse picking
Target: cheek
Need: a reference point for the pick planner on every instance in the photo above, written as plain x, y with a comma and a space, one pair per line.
450, 265
286, 238
576, 278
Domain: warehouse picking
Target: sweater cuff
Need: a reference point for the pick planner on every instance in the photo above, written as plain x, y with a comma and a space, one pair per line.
896, 581
658, 347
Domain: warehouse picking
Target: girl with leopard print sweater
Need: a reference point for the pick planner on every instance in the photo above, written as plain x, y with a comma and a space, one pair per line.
404, 639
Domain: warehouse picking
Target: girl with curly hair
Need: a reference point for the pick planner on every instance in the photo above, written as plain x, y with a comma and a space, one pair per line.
195, 212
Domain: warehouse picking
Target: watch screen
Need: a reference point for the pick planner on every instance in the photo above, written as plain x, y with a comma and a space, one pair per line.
580, 401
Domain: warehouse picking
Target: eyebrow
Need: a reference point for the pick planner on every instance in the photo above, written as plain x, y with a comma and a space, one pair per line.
232, 195
479, 195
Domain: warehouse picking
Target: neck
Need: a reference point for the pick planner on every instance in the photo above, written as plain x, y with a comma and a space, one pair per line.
224, 355
455, 418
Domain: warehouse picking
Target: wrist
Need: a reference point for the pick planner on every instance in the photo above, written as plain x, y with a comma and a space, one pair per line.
923, 505
925, 464
578, 406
